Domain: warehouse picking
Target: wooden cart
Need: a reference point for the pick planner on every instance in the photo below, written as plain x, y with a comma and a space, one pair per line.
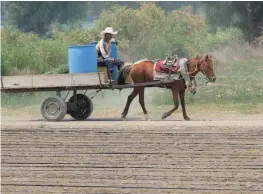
79, 106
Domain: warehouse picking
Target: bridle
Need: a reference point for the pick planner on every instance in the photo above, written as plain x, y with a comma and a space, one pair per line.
201, 69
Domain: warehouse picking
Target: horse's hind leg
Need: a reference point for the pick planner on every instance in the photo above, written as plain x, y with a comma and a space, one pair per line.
182, 94
176, 104
128, 103
141, 101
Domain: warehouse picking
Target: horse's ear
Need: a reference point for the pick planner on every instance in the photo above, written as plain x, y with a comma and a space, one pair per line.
196, 57
206, 57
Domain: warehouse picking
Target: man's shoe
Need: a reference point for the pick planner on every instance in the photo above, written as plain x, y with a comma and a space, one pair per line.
112, 82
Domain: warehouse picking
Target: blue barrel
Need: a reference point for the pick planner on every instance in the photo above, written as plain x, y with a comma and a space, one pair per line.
93, 43
114, 54
82, 59
114, 50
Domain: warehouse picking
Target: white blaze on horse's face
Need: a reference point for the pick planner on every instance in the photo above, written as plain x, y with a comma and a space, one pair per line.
207, 68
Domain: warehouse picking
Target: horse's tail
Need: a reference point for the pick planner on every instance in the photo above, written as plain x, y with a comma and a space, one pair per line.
124, 73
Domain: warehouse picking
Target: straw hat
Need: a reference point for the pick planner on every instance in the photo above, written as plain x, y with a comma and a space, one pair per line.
109, 30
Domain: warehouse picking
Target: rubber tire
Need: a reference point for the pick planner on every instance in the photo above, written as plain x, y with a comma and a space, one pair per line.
62, 106
81, 117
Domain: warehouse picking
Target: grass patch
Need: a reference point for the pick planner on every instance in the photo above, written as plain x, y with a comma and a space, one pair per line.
225, 109
21, 100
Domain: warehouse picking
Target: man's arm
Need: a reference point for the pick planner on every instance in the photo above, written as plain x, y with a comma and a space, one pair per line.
103, 51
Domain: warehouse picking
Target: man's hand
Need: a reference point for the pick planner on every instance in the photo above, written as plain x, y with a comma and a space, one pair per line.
192, 89
111, 59
115, 40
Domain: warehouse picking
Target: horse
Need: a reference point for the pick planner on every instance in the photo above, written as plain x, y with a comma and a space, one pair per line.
143, 71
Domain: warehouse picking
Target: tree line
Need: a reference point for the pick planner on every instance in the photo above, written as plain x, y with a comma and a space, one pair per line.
38, 16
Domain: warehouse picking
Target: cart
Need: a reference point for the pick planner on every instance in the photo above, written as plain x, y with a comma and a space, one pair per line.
54, 108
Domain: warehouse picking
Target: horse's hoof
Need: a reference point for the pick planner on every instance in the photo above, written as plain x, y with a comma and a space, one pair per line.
147, 117
165, 115
123, 118
187, 118
192, 90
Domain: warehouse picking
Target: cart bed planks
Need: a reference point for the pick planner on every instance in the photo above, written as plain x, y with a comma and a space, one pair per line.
52, 82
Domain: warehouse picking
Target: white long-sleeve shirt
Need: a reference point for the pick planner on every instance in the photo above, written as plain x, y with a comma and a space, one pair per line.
104, 48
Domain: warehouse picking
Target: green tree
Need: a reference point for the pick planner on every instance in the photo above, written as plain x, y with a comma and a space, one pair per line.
245, 15
37, 16
150, 31
96, 8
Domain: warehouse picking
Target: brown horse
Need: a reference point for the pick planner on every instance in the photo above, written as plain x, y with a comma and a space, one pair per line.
144, 72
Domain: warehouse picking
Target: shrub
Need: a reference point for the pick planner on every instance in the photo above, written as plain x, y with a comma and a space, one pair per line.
26, 52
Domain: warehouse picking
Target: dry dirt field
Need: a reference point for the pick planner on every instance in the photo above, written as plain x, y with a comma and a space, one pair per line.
104, 155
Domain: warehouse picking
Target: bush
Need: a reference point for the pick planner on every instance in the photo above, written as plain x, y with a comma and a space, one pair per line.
206, 42
27, 53
77, 36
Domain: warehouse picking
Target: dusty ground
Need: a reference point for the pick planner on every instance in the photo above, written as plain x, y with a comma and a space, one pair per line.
105, 155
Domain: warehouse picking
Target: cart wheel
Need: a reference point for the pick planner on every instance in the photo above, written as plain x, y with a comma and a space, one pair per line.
54, 108
84, 107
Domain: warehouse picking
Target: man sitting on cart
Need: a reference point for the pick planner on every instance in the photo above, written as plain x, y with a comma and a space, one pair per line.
104, 50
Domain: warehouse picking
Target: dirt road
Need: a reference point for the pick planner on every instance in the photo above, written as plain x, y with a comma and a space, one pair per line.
111, 156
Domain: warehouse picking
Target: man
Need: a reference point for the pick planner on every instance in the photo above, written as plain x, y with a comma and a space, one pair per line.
104, 50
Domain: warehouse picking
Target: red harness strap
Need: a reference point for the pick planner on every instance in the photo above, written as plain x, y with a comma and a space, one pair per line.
162, 68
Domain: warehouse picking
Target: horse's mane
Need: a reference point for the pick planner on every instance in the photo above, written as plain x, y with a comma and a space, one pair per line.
142, 60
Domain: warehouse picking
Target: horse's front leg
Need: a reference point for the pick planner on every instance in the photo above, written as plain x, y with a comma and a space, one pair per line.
176, 103
193, 85
194, 81
141, 101
182, 95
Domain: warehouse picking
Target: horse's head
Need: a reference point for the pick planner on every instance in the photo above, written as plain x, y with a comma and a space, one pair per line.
206, 66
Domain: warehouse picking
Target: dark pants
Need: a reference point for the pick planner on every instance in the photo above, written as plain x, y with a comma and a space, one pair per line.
110, 65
